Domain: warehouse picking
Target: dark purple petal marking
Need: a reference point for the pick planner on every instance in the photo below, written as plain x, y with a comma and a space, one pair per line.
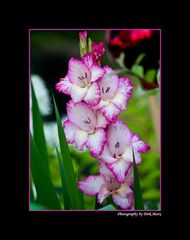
117, 145
107, 89
87, 121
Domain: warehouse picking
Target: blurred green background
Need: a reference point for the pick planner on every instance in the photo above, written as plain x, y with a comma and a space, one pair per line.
50, 52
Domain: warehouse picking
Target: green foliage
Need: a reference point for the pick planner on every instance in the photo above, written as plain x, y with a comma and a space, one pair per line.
67, 202
150, 75
35, 206
137, 189
140, 58
38, 131
46, 194
108, 207
89, 45
139, 70
70, 175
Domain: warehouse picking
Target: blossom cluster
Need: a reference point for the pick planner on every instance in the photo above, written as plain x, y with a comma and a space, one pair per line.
98, 96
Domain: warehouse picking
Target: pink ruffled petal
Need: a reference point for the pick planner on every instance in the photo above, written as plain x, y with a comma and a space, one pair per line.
128, 155
103, 104
119, 137
88, 60
106, 156
96, 72
77, 93
69, 129
130, 177
120, 101
93, 94
139, 145
81, 115
110, 112
119, 169
103, 169
101, 120
124, 190
125, 203
80, 139
91, 185
96, 142
64, 86
78, 72
104, 193
109, 84
125, 87
137, 157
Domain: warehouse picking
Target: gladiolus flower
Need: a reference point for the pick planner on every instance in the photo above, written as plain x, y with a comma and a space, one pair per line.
105, 184
115, 93
98, 50
81, 81
85, 127
83, 45
117, 153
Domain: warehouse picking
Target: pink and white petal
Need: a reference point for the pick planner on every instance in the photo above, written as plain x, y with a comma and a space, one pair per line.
88, 60
137, 157
130, 177
69, 129
101, 120
80, 139
93, 94
91, 185
120, 101
119, 169
109, 84
79, 114
64, 86
78, 72
104, 170
125, 87
78, 93
119, 136
96, 142
125, 203
124, 190
110, 112
96, 72
106, 156
103, 104
128, 154
104, 193
139, 145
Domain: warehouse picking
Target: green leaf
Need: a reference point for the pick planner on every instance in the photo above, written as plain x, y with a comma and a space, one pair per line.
46, 194
67, 164
31, 192
139, 70
139, 205
150, 75
89, 45
108, 207
35, 206
158, 76
120, 61
38, 131
81, 195
63, 180
140, 58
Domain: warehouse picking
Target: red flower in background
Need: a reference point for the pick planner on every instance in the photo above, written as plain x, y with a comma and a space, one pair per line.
133, 43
